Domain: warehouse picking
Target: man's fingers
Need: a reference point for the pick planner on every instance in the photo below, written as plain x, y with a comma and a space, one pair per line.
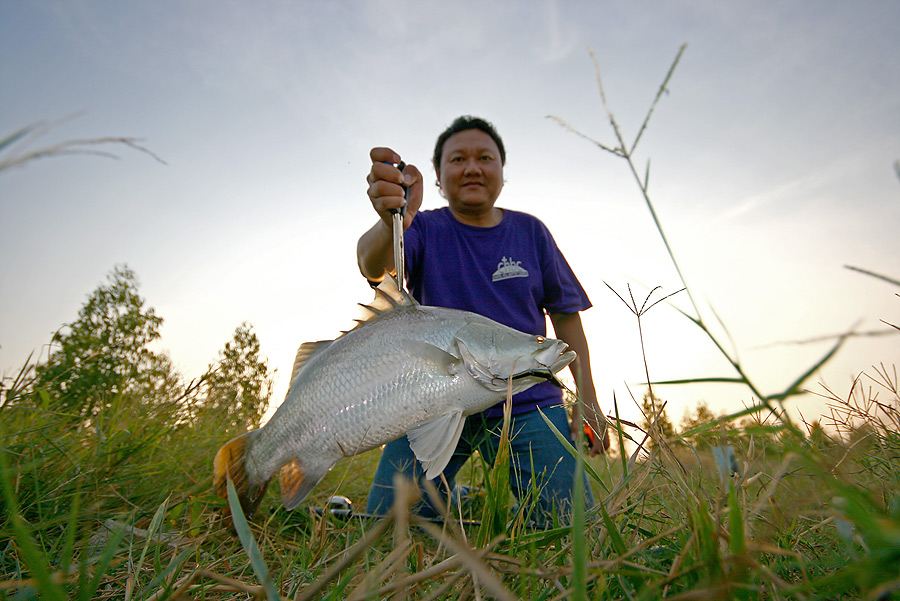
380, 154
385, 171
387, 182
411, 175
386, 195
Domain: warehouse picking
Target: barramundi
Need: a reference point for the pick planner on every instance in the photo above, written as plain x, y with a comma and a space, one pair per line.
406, 369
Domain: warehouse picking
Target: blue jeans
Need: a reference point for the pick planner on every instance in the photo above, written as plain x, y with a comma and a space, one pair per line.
537, 461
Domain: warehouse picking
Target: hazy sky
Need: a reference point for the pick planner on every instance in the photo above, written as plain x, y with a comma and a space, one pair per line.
772, 167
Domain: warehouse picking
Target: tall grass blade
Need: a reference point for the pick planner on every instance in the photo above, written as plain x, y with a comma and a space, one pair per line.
88, 146
737, 543
496, 505
615, 537
71, 529
571, 449
707, 541
249, 543
101, 567
794, 388
622, 455
15, 137
663, 87
579, 534
708, 380
155, 523
879, 276
174, 564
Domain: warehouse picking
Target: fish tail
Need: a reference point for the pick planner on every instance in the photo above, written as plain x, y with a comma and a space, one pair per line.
230, 464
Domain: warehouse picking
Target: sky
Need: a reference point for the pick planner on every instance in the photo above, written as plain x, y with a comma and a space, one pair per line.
771, 167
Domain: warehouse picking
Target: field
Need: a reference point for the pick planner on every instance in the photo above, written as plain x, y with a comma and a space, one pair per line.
105, 474
122, 508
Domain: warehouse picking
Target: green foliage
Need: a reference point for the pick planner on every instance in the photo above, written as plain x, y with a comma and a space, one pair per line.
106, 352
238, 387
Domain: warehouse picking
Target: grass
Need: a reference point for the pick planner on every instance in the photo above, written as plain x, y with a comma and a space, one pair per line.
16, 149
121, 507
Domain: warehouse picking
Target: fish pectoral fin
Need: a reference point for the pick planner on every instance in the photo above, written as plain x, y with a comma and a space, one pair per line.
297, 480
447, 364
434, 441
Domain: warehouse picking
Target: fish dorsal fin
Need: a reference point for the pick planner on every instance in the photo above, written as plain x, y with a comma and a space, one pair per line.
388, 296
306, 350
434, 441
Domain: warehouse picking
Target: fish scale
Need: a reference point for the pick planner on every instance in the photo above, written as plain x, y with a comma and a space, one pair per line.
411, 370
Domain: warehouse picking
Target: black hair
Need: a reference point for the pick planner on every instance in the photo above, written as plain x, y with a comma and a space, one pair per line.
462, 124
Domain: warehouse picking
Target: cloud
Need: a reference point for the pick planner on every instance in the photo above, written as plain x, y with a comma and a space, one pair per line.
561, 37
814, 186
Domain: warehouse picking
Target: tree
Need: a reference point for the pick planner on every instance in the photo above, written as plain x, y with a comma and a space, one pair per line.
239, 385
105, 351
819, 437
656, 420
703, 416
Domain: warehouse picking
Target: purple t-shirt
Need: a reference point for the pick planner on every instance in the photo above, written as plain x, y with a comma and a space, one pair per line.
512, 272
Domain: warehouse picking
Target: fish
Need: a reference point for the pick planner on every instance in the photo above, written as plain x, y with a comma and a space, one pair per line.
405, 369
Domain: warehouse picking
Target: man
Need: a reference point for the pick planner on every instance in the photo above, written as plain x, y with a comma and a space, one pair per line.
475, 256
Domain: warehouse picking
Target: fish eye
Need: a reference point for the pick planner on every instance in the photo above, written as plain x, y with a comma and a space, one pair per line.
539, 339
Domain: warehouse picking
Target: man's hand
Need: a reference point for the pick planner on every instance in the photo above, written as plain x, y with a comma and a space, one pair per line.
568, 328
593, 419
374, 251
386, 186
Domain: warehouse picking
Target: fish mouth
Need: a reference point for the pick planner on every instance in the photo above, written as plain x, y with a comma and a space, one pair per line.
555, 356
552, 362
543, 374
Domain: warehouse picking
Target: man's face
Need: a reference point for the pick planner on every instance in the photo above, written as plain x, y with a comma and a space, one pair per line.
471, 172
